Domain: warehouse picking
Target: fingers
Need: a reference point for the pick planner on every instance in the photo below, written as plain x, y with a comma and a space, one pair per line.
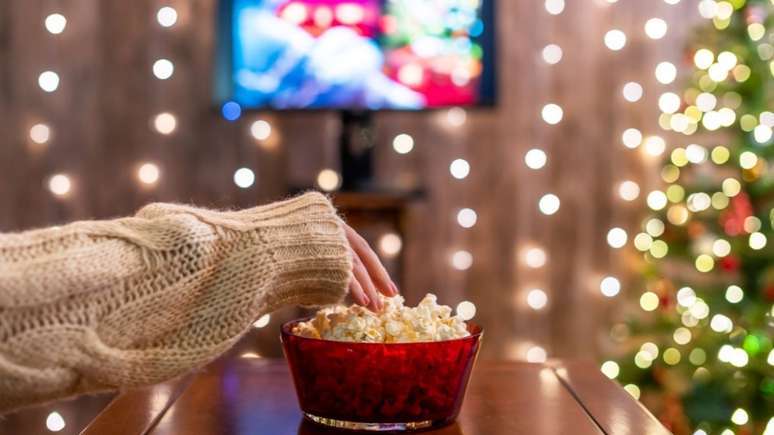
364, 279
356, 290
376, 271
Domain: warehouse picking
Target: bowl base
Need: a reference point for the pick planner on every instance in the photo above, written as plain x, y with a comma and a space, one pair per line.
374, 427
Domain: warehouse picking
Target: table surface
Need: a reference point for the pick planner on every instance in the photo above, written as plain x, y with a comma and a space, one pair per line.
240, 396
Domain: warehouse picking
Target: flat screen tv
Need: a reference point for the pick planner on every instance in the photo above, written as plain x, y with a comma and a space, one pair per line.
356, 54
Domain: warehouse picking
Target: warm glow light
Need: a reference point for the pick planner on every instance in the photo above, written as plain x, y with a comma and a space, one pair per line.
655, 28
55, 422
403, 143
686, 297
721, 324
536, 354
535, 158
535, 258
615, 39
466, 310
456, 116
467, 217
552, 113
669, 102
48, 81
657, 200
703, 58
459, 168
552, 54
616, 238
649, 301
631, 138
163, 69
740, 417
666, 73
328, 180
148, 173
632, 92
537, 299
390, 245
654, 145
462, 260
610, 286
554, 7
757, 240
40, 133
166, 16
610, 369
165, 123
244, 177
59, 184
734, 294
748, 160
260, 129
628, 190
55, 23
549, 204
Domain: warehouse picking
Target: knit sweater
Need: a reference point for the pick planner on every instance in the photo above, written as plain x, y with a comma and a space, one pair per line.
102, 305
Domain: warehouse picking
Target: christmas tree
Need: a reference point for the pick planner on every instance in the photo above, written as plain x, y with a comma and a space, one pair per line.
697, 346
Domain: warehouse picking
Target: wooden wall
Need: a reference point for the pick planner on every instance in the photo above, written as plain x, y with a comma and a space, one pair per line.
101, 112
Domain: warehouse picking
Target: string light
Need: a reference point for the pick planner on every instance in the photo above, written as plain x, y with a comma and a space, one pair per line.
55, 422
628, 190
59, 184
632, 92
328, 180
467, 217
633, 390
456, 116
390, 245
48, 81
462, 260
656, 28
40, 133
552, 54
740, 417
459, 168
552, 113
537, 299
703, 58
148, 173
163, 69
165, 123
649, 301
466, 310
231, 111
244, 178
610, 286
654, 145
260, 129
669, 102
721, 324
549, 204
55, 23
262, 321
403, 143
616, 238
666, 72
734, 294
615, 39
554, 7
631, 138
535, 257
535, 158
166, 16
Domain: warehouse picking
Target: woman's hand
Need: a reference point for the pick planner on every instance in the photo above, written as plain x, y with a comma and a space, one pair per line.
369, 276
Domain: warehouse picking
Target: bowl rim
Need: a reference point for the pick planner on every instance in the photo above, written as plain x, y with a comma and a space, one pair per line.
285, 330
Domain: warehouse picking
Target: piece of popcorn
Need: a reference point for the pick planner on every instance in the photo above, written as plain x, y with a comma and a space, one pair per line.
397, 323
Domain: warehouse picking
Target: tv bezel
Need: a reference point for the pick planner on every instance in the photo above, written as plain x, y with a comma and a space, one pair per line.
223, 77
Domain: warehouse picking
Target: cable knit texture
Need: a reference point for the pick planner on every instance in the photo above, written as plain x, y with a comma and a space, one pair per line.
101, 305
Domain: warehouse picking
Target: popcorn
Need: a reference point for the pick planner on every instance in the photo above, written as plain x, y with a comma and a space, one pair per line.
397, 323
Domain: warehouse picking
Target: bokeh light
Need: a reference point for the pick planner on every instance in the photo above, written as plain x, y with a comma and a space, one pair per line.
467, 217
459, 168
462, 260
549, 204
535, 158
40, 133
552, 113
166, 16
537, 299
403, 143
55, 23
328, 180
390, 245
163, 69
615, 39
244, 177
59, 184
48, 81
148, 173
610, 286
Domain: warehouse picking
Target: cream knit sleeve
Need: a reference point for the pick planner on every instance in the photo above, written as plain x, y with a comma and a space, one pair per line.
108, 304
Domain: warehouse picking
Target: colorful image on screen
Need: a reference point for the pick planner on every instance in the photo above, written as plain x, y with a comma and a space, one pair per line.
358, 54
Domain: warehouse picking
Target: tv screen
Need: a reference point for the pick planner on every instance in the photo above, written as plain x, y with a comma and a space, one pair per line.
356, 54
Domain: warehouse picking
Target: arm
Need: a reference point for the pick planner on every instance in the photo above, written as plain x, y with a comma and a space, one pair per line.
108, 304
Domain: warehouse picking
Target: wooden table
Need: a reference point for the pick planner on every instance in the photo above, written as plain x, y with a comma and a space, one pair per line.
240, 396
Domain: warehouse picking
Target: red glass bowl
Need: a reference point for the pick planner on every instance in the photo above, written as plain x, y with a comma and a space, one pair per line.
380, 386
